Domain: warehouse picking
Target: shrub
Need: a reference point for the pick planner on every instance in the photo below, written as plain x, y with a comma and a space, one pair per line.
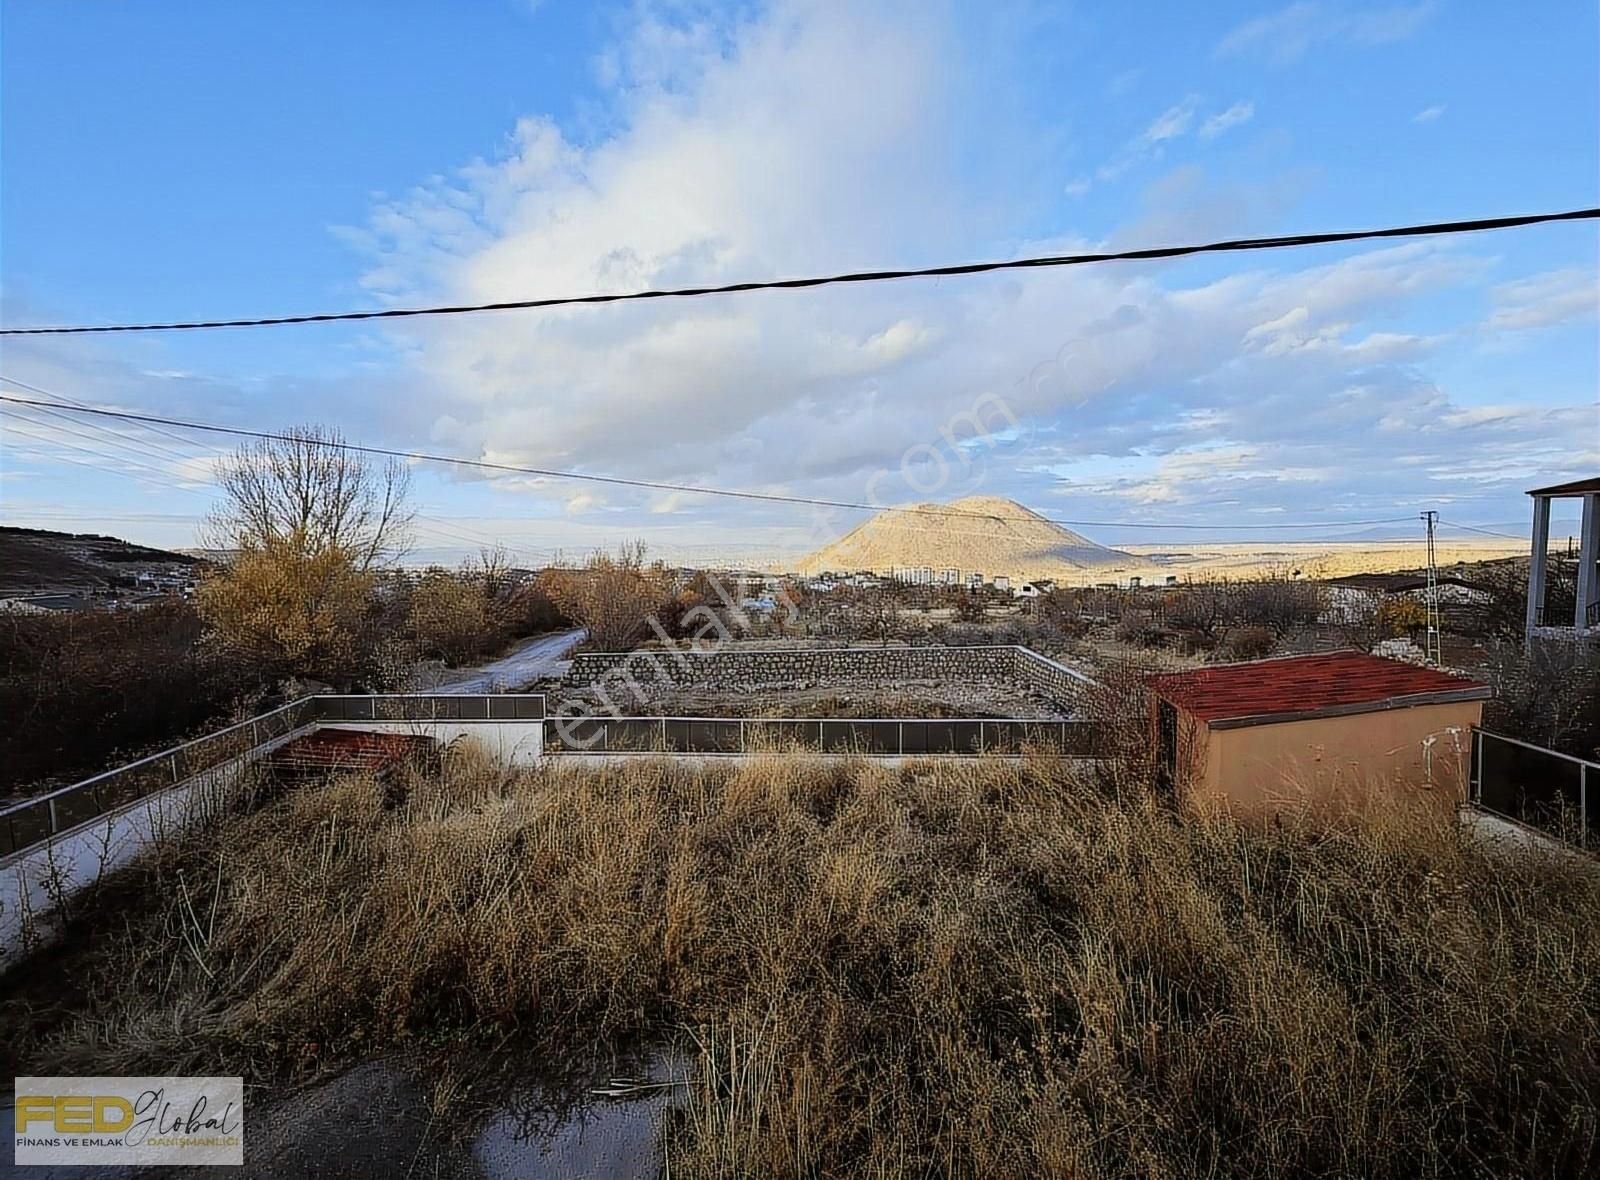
614, 597
451, 617
80, 690
1251, 643
1399, 617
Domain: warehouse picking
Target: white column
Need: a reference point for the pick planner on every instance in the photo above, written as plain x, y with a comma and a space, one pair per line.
1536, 561
1588, 552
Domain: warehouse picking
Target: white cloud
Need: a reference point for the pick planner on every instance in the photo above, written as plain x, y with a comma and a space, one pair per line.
1545, 300
817, 140
1239, 112
1428, 114
830, 138
1172, 122
1283, 37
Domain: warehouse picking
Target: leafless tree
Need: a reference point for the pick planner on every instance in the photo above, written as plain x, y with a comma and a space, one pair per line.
1279, 600
615, 597
308, 489
492, 570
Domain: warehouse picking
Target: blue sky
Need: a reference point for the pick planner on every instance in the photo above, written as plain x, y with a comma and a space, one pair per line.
167, 161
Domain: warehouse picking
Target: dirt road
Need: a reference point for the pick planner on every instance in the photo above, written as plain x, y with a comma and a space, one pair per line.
539, 658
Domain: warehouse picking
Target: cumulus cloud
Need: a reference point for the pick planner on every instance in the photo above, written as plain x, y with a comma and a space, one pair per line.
821, 138
824, 138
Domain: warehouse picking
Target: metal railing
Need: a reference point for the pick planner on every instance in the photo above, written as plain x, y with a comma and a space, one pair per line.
1546, 789
424, 706
33, 821
876, 736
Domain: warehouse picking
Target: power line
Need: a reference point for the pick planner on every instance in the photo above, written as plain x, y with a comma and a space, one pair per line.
61, 397
690, 489
1472, 528
129, 467
867, 276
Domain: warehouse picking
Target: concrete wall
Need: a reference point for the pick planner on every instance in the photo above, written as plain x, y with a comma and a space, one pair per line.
1266, 769
35, 881
517, 743
735, 669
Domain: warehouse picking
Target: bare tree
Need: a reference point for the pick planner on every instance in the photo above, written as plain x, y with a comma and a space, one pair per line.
493, 571
614, 597
309, 490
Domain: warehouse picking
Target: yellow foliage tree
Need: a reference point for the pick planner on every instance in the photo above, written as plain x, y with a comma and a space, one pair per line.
614, 597
1402, 616
308, 519
450, 615
290, 608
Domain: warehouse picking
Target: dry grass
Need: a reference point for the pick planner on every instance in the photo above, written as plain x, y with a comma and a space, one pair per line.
967, 968
1320, 559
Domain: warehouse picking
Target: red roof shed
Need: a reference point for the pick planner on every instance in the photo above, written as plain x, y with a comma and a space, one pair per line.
1263, 733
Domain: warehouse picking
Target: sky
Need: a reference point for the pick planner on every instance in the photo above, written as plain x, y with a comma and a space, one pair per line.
169, 161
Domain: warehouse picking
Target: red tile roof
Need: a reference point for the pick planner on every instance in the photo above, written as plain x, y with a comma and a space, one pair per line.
1295, 687
346, 749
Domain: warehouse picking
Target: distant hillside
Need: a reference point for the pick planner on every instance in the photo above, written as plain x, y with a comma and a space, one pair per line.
998, 537
38, 559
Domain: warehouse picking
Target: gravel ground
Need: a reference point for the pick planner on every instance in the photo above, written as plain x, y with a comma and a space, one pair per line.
839, 699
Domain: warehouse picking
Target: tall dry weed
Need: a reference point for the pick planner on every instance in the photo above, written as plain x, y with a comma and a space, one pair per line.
970, 967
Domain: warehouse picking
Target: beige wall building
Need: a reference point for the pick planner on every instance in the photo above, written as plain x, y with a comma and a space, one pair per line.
1273, 735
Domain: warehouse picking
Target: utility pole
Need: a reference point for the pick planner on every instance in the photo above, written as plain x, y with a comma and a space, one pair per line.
1432, 593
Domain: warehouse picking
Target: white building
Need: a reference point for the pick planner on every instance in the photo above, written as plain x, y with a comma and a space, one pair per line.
1584, 624
1355, 596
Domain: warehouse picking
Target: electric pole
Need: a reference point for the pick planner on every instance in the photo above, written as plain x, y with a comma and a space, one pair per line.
1431, 600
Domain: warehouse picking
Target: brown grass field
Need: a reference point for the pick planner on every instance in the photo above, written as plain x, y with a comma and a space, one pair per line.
960, 968
1328, 559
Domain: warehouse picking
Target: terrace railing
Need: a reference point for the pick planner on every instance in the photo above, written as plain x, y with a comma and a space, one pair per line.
1546, 789
33, 821
907, 737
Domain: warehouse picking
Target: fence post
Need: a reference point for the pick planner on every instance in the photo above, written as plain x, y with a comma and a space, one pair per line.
1583, 805
1476, 776
174, 760
663, 733
54, 827
255, 735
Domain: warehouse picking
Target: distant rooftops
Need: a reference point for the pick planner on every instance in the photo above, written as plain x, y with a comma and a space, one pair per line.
1297, 688
1578, 487
1395, 583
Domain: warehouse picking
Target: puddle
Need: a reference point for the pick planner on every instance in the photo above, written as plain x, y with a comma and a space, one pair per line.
372, 1122
610, 1131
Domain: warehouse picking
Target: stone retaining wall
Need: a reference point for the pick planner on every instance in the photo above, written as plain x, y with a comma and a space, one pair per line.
736, 669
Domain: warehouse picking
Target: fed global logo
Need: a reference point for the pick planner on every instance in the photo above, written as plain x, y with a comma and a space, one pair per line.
130, 1121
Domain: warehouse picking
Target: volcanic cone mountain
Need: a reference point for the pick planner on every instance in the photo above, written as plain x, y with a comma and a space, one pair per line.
993, 536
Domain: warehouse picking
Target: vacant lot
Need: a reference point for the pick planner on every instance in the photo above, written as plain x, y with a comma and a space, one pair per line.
841, 698
972, 968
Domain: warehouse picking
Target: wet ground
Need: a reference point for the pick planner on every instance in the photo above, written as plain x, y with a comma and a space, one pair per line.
393, 1118
541, 658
